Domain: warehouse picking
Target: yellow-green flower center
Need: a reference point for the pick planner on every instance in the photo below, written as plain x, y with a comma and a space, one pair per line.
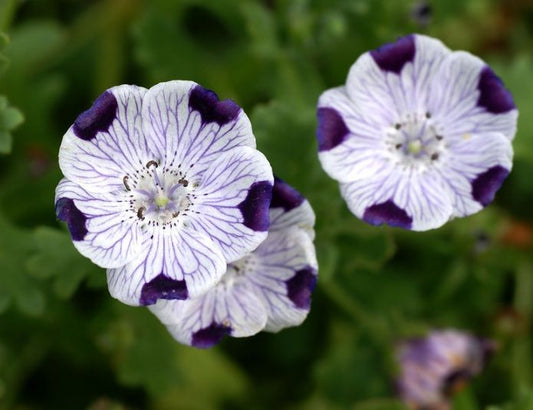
161, 201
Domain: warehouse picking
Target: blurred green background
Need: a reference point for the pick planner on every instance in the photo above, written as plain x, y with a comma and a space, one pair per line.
66, 344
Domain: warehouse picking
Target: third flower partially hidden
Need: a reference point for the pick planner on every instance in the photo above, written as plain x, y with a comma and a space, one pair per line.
418, 135
269, 289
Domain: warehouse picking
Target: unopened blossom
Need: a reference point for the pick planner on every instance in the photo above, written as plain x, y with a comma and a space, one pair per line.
269, 289
163, 187
418, 135
436, 366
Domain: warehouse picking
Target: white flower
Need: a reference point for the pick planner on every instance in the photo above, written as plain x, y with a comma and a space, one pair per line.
269, 289
163, 188
418, 135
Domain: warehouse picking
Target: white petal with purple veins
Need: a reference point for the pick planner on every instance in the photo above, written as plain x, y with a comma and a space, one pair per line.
106, 141
410, 199
97, 224
302, 217
472, 156
191, 127
284, 276
460, 92
350, 146
188, 258
229, 308
392, 81
235, 195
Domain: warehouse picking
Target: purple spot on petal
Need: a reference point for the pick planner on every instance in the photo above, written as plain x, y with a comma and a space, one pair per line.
393, 56
331, 130
492, 93
210, 336
255, 207
485, 185
210, 108
301, 286
285, 196
388, 213
97, 118
163, 287
66, 211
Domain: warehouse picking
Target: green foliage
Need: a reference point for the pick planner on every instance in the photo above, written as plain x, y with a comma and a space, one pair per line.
64, 343
10, 117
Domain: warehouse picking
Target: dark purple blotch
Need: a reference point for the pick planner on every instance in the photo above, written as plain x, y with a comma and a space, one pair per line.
493, 95
393, 56
285, 196
96, 119
163, 287
206, 102
456, 379
389, 213
331, 130
67, 211
301, 286
254, 208
485, 185
210, 336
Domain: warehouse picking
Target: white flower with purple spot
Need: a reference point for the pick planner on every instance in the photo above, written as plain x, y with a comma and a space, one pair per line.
418, 135
163, 187
434, 367
269, 289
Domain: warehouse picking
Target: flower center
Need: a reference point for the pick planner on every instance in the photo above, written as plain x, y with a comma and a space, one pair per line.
159, 196
239, 269
415, 140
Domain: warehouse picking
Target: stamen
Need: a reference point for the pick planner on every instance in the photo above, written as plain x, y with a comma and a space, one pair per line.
125, 182
183, 182
151, 163
140, 212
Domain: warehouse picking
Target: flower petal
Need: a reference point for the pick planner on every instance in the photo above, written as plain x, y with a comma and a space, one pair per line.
284, 277
350, 146
406, 198
476, 170
290, 209
235, 194
392, 81
97, 225
191, 127
227, 309
175, 265
468, 98
106, 142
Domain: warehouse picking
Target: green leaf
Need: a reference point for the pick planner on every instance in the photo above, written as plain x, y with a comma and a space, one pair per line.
56, 258
10, 118
15, 283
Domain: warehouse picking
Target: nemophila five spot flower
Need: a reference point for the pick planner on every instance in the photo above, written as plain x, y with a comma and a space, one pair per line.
435, 367
418, 135
268, 289
163, 187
